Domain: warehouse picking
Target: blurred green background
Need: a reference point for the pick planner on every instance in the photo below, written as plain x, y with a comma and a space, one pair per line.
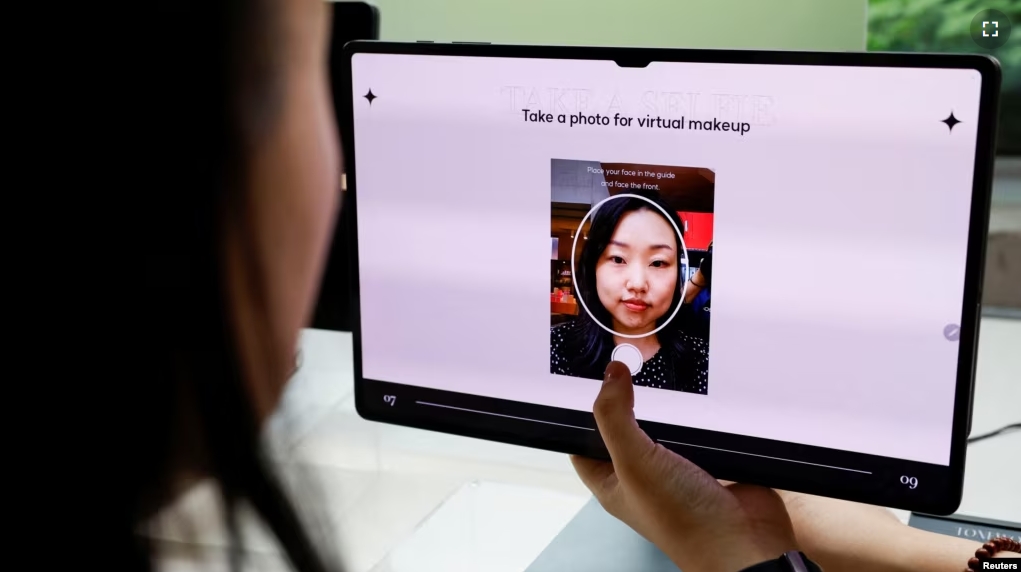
945, 26
734, 24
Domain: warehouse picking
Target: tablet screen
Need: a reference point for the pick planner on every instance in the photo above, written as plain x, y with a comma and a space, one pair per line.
778, 252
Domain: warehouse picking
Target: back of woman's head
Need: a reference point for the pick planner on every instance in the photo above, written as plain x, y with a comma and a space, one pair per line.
215, 175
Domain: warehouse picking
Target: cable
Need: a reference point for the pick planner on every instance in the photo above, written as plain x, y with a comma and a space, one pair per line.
1003, 429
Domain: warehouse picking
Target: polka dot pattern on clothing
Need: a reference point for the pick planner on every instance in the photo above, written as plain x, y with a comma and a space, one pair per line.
662, 371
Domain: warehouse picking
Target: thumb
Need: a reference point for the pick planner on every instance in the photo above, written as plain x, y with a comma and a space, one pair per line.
615, 416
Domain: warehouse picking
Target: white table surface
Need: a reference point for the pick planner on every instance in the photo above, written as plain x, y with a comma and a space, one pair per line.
406, 500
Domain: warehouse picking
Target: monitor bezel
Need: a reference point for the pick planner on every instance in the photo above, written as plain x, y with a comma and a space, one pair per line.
942, 498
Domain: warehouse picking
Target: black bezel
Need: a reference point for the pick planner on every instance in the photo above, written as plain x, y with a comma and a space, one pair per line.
940, 487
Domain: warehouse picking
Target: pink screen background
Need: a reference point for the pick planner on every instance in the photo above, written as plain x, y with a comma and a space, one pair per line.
835, 340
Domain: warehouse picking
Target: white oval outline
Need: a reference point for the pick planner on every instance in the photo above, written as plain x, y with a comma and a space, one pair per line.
684, 263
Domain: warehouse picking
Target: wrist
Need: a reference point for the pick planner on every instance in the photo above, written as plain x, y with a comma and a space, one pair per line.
923, 550
791, 561
760, 551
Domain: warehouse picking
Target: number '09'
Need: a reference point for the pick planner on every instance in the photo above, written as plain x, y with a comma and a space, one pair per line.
911, 482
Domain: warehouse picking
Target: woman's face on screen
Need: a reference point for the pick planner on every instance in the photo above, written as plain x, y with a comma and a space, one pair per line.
636, 276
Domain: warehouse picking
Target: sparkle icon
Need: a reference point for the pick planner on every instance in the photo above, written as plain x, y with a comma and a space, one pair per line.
951, 121
370, 96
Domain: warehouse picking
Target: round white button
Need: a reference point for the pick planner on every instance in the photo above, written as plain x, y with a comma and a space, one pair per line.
629, 356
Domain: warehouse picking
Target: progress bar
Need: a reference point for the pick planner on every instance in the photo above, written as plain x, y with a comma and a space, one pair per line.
502, 415
766, 457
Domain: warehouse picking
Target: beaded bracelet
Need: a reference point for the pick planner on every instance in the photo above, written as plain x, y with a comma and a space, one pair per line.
990, 549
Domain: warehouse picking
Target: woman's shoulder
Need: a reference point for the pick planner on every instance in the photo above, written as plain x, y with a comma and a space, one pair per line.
691, 358
694, 341
690, 347
559, 334
696, 344
559, 337
563, 329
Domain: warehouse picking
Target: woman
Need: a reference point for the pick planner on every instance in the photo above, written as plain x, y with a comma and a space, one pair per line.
219, 164
215, 162
630, 279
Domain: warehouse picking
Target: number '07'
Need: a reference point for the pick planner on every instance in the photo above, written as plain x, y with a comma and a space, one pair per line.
390, 400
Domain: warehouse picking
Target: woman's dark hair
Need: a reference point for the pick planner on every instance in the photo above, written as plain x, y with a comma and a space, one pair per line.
588, 341
174, 96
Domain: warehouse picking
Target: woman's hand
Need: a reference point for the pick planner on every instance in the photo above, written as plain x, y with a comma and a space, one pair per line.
697, 522
706, 266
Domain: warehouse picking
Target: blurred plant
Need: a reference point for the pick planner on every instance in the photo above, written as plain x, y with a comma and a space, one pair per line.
945, 26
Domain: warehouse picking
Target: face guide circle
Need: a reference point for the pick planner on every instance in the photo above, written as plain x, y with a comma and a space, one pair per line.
681, 272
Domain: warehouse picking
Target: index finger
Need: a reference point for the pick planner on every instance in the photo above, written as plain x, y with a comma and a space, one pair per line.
614, 410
